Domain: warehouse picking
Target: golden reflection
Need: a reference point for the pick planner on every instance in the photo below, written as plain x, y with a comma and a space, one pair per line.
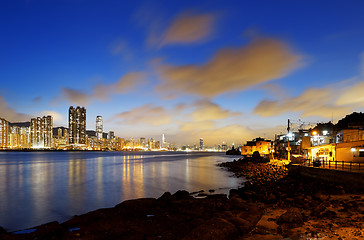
76, 177
126, 184
41, 178
99, 178
133, 177
187, 169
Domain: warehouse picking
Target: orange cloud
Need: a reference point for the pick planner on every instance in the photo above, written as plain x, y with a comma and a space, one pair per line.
10, 114
207, 110
103, 91
231, 69
336, 99
352, 95
147, 114
312, 102
75, 96
125, 84
189, 28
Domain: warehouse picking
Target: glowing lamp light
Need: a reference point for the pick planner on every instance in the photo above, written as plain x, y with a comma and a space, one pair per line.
325, 132
353, 149
314, 133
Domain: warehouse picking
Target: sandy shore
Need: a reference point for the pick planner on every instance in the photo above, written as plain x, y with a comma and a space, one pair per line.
273, 204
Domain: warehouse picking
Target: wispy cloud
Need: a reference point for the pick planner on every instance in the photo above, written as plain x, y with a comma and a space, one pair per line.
337, 99
312, 102
207, 110
10, 114
37, 99
103, 92
231, 69
74, 96
147, 115
121, 47
189, 28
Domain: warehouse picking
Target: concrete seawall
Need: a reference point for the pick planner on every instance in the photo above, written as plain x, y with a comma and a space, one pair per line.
352, 179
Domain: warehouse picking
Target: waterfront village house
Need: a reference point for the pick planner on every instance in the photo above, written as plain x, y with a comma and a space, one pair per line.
348, 146
264, 147
299, 143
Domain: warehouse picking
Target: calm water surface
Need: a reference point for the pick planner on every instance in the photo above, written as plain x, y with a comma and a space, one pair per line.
39, 187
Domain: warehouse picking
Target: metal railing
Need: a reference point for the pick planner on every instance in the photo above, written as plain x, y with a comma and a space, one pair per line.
337, 165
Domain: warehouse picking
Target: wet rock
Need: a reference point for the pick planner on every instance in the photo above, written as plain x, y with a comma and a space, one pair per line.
271, 198
166, 197
233, 193
181, 194
292, 217
316, 211
237, 203
214, 229
48, 229
193, 193
328, 214
217, 196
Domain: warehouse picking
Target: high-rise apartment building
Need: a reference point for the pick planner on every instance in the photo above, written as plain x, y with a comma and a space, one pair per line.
77, 125
60, 134
4, 133
111, 135
41, 132
201, 144
25, 137
99, 127
15, 141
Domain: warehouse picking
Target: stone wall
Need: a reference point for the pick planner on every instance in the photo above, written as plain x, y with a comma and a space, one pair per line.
352, 179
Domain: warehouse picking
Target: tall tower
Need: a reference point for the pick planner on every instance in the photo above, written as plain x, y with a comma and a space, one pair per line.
99, 127
201, 144
77, 125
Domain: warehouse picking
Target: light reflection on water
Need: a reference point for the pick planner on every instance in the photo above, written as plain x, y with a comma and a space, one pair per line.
38, 187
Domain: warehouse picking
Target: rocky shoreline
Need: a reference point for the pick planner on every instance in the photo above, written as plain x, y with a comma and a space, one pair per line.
274, 204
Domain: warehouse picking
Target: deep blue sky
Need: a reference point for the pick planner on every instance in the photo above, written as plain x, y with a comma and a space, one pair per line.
221, 70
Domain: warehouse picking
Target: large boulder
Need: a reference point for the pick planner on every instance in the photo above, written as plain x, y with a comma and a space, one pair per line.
293, 217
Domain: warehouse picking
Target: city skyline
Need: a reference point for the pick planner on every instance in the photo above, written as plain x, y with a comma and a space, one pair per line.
218, 71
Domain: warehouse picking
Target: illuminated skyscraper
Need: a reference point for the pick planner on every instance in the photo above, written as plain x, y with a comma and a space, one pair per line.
15, 137
77, 125
201, 144
41, 132
60, 133
99, 127
25, 137
111, 135
4, 133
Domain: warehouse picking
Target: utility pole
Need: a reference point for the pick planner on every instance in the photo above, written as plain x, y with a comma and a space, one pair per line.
288, 147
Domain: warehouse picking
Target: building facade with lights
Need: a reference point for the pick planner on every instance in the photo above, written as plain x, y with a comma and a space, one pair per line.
41, 132
99, 127
4, 133
263, 146
77, 125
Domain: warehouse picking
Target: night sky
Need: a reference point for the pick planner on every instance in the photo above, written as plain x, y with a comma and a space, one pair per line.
221, 70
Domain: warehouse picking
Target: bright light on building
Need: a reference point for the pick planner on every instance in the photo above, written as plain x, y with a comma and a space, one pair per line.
314, 133
325, 132
353, 149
